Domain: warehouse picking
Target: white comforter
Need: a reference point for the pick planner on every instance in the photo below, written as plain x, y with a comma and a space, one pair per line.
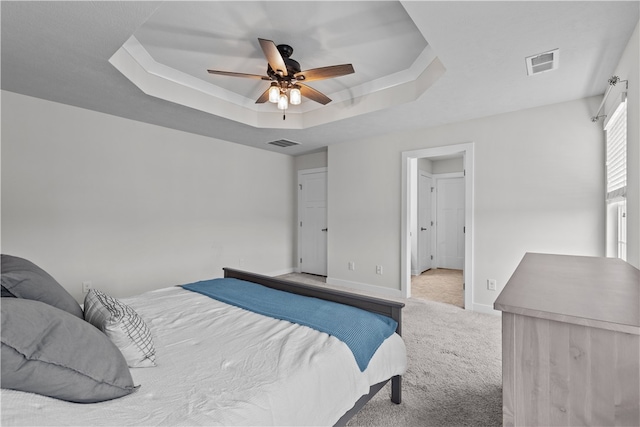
221, 365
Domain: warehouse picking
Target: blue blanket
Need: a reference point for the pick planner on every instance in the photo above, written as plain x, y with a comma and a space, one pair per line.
362, 331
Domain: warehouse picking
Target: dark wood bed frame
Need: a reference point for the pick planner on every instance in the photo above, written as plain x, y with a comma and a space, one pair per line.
388, 308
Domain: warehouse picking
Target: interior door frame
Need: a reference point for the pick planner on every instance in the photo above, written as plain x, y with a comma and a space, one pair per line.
409, 167
301, 173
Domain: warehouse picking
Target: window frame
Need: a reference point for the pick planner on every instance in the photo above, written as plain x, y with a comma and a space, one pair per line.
616, 180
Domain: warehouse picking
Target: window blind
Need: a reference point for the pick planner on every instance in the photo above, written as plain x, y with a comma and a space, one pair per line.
616, 164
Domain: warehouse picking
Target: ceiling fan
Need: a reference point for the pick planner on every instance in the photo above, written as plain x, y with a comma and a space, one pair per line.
286, 77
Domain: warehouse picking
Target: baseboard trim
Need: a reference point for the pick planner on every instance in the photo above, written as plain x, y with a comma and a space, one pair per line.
486, 309
364, 287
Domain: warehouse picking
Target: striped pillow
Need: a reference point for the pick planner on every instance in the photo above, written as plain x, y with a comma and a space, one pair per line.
123, 326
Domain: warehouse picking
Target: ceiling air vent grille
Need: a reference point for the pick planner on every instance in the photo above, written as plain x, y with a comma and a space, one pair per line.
283, 143
543, 62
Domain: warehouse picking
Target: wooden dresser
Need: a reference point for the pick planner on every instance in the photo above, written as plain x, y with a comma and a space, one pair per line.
571, 342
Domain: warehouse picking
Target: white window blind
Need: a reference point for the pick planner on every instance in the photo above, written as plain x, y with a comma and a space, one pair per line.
616, 131
616, 165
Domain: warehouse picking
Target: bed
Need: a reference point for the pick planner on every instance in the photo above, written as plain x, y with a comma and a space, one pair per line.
208, 362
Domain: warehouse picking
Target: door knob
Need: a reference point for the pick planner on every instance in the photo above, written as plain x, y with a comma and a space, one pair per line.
325, 229
423, 229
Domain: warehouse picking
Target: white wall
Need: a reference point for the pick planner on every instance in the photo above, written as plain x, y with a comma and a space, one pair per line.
539, 188
311, 161
425, 165
132, 206
448, 165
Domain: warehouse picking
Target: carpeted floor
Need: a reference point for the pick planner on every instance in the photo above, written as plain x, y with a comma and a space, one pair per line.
439, 284
454, 374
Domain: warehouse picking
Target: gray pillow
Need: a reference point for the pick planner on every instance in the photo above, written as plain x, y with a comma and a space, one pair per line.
6, 293
23, 279
51, 352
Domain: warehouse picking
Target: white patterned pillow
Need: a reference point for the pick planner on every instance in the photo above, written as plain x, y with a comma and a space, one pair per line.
123, 326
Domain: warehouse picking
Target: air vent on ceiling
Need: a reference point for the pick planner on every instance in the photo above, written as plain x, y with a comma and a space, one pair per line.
283, 143
543, 62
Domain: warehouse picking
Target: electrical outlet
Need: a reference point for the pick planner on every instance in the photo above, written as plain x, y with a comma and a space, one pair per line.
378, 269
352, 265
86, 286
491, 284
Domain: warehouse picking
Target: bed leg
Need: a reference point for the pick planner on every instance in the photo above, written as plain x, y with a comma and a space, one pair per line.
396, 389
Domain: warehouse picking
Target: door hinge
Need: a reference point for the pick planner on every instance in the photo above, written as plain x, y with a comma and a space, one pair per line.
432, 188
300, 260
464, 172
431, 256
463, 286
464, 230
300, 186
300, 223
432, 223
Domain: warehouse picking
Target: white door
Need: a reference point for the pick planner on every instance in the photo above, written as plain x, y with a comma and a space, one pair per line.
313, 222
425, 222
450, 217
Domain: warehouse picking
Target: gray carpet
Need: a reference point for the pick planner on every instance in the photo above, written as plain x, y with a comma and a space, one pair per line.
454, 377
454, 374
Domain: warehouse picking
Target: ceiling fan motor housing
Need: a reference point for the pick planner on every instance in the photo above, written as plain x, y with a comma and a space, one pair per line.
292, 65
285, 50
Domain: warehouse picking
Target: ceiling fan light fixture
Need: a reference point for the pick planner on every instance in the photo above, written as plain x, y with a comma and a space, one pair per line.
283, 102
284, 73
274, 93
295, 97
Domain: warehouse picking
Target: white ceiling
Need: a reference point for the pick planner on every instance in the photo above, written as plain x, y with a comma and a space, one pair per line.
197, 36
168, 57
60, 51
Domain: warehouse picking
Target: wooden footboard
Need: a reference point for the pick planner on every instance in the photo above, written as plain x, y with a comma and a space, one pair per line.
388, 308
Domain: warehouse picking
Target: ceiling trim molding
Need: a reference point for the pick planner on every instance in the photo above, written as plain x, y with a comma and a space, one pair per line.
158, 80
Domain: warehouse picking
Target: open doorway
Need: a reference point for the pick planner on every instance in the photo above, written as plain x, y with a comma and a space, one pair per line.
437, 230
450, 238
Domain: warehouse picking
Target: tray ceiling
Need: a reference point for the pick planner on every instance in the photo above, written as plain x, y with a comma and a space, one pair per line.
167, 57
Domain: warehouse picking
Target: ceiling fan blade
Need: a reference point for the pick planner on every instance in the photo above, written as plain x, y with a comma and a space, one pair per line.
232, 74
324, 72
313, 94
263, 98
273, 56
